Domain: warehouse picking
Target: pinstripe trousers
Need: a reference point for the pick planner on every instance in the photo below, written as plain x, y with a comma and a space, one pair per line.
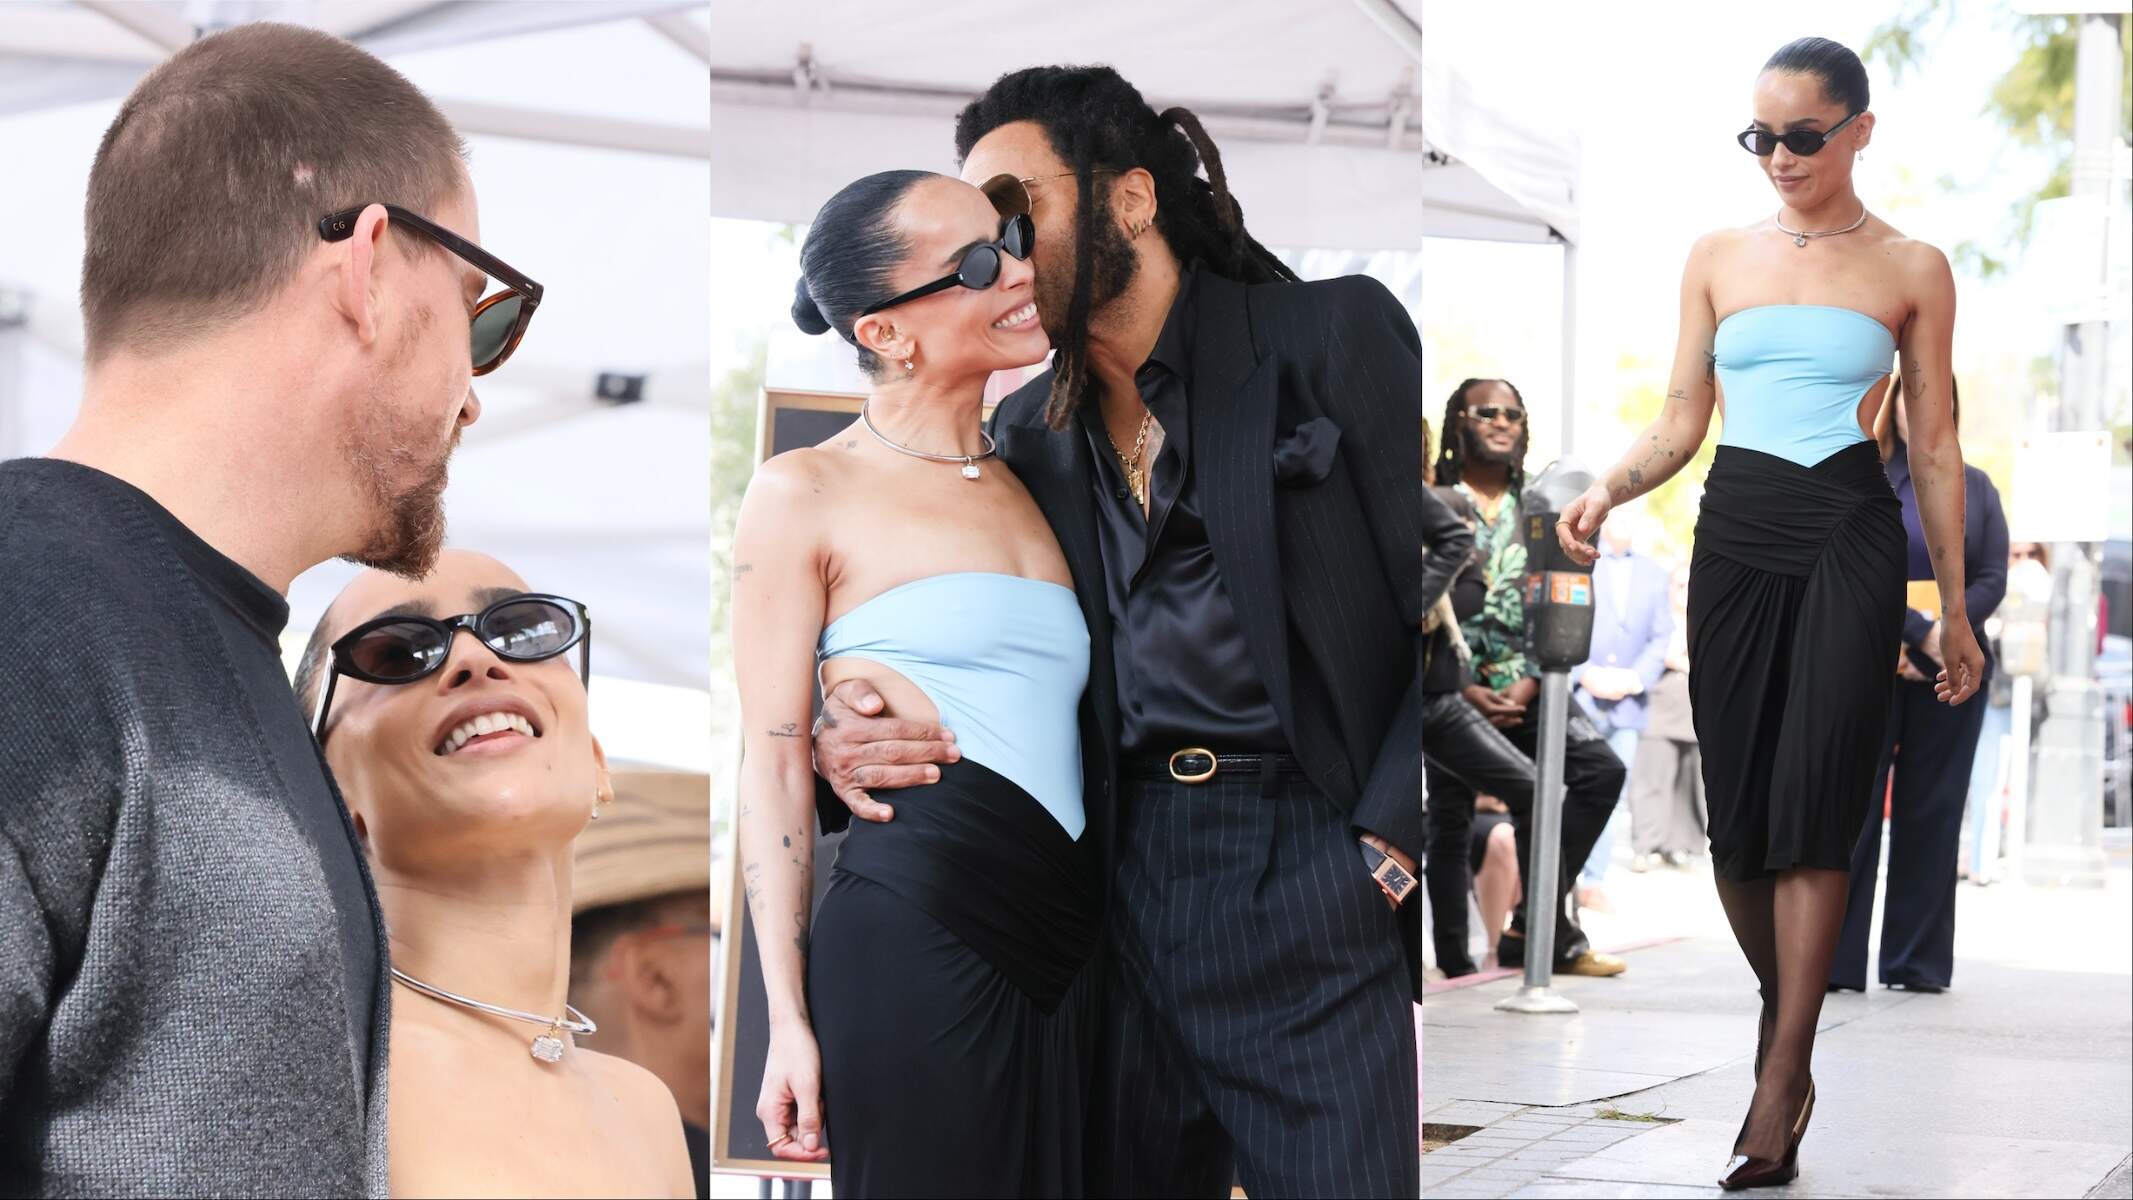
1258, 1022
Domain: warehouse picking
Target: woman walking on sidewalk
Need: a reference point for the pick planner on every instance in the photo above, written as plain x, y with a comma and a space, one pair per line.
1796, 593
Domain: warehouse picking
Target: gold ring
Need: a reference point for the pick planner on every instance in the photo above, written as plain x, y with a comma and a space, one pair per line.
778, 1141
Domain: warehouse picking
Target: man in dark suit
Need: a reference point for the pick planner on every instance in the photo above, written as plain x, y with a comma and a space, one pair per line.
1230, 459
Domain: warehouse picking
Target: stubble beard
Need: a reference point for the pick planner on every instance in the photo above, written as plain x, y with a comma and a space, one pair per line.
383, 449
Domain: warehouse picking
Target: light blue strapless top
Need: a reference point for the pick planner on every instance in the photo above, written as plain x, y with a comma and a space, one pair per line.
1794, 374
1004, 659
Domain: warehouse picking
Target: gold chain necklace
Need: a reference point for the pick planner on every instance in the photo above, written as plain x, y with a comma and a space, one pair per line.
1136, 479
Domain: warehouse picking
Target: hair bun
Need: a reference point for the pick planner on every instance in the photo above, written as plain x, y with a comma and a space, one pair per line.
805, 314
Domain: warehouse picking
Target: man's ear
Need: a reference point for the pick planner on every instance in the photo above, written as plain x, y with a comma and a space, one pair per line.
653, 991
1133, 199
355, 277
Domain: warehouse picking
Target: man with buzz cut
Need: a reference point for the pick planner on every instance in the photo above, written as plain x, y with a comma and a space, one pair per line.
278, 297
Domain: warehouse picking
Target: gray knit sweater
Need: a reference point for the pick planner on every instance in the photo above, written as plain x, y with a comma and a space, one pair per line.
174, 1013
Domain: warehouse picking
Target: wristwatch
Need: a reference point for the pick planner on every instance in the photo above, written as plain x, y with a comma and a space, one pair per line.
1390, 875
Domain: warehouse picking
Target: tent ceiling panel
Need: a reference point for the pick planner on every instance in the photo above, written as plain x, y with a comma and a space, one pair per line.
1509, 180
781, 163
1276, 53
1312, 103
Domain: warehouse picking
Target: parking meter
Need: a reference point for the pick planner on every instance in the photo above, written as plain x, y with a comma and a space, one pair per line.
1558, 587
1558, 595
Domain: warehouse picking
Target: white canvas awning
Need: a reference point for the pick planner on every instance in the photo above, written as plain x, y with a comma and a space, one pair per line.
1491, 177
1494, 177
1313, 103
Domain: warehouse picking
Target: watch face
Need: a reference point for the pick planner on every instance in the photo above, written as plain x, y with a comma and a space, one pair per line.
1396, 877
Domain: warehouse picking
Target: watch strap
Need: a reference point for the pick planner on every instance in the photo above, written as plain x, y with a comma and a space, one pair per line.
1390, 875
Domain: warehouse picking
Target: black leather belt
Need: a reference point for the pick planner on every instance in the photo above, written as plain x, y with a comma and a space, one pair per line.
1195, 765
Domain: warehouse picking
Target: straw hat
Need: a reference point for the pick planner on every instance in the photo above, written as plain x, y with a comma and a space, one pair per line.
653, 839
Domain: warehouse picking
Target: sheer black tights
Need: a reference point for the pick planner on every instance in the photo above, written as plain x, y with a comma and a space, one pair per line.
1787, 926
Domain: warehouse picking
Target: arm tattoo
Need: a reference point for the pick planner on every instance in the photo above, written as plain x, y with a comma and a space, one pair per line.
789, 729
1678, 394
754, 885
743, 568
1636, 475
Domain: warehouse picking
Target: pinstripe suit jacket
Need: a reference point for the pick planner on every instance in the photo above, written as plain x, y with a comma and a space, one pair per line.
1330, 567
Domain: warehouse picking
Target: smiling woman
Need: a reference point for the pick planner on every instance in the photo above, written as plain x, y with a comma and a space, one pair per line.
469, 768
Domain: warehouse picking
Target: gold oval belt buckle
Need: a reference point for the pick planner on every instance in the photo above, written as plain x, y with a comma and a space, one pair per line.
1192, 772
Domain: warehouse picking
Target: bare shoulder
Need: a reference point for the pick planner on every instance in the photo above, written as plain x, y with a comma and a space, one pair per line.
789, 487
1924, 265
1709, 254
636, 1088
1716, 244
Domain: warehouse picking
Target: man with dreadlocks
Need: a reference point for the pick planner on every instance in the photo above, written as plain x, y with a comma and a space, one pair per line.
1230, 458
1485, 432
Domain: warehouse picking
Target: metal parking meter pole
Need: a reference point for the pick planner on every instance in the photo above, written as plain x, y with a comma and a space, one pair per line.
1559, 636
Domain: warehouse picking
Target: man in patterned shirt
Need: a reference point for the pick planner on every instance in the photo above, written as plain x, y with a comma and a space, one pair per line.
1483, 465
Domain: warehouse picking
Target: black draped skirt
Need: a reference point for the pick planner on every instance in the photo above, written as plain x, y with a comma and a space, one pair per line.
1796, 601
947, 986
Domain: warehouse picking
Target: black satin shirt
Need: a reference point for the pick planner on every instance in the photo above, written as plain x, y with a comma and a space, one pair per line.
1185, 673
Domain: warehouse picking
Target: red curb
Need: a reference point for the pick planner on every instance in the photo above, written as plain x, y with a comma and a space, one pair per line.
1491, 976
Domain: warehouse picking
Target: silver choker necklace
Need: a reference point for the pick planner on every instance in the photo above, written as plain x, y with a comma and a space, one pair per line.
969, 461
1799, 237
547, 1047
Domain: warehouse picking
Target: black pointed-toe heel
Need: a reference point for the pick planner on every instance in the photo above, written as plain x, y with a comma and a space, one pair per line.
1746, 1171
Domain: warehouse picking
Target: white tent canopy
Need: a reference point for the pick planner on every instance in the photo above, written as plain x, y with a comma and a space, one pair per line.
1492, 177
1312, 102
588, 150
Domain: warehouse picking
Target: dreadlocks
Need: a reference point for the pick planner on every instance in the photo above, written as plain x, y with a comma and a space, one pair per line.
1451, 460
1097, 122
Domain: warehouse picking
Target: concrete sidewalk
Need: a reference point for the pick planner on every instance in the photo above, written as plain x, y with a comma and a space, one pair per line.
2018, 1081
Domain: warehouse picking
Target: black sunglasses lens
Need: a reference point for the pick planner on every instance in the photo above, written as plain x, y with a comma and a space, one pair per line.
1020, 236
398, 652
529, 630
981, 268
1803, 143
1760, 143
490, 335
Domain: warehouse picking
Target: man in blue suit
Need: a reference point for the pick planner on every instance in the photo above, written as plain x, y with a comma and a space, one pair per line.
1631, 623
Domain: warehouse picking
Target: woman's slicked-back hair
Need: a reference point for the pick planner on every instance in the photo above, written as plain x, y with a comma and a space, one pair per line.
1843, 76
1095, 120
850, 256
